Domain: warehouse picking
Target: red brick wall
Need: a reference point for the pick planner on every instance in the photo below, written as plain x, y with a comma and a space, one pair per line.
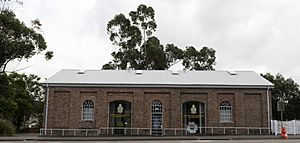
65, 106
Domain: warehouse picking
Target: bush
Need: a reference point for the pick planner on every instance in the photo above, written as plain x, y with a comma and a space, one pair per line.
6, 128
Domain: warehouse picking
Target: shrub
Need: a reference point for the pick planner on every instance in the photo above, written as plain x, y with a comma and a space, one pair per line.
6, 128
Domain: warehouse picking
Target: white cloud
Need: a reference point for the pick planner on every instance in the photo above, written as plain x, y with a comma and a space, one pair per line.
247, 35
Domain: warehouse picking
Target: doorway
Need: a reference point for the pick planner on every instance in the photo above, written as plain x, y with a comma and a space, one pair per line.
120, 117
194, 117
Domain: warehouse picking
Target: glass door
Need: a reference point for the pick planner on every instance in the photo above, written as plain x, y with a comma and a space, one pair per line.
120, 117
194, 117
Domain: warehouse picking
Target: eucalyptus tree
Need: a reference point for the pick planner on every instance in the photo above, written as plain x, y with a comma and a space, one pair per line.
139, 48
17, 40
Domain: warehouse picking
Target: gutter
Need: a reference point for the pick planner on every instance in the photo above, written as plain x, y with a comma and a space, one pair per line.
159, 85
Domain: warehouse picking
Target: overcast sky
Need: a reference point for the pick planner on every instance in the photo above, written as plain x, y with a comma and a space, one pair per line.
256, 35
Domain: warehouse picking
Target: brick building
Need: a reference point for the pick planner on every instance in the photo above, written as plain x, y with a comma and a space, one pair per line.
157, 102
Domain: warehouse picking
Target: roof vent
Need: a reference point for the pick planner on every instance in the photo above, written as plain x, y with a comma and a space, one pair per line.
175, 72
232, 72
139, 72
81, 72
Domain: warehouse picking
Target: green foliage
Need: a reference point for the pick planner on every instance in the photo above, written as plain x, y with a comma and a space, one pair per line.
109, 66
144, 17
292, 109
20, 95
8, 106
38, 112
139, 49
22, 98
122, 33
153, 57
17, 41
173, 53
199, 60
6, 128
288, 90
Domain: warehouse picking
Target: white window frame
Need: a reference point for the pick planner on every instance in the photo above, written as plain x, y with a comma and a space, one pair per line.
156, 110
225, 112
88, 110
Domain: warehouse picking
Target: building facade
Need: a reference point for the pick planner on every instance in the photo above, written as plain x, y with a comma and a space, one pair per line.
157, 102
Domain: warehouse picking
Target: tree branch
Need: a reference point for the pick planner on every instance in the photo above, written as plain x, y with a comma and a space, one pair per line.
4, 65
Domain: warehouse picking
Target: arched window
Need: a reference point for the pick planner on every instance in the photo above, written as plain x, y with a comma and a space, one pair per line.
156, 107
88, 110
225, 112
157, 118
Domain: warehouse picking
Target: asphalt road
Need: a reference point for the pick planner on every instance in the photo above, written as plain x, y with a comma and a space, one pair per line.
168, 141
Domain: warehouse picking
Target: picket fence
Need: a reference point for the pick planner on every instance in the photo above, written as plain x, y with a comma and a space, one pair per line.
292, 127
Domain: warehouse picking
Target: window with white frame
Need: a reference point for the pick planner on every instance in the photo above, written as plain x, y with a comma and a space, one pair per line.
157, 117
88, 110
225, 112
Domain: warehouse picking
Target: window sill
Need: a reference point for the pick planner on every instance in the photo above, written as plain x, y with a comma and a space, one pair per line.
87, 120
226, 122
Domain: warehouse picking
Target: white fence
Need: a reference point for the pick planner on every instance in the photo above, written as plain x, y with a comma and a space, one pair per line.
149, 131
292, 127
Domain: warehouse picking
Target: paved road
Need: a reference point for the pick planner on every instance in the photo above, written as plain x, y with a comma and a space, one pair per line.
169, 141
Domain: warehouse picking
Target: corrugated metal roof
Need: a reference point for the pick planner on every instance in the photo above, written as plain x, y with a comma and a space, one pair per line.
158, 78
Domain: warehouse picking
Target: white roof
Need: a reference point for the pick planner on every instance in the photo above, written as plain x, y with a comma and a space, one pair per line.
158, 78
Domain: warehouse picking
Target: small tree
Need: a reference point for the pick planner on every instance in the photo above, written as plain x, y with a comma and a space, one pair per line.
6, 128
24, 98
288, 90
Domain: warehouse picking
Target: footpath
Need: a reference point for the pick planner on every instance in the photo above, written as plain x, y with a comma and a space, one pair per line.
36, 137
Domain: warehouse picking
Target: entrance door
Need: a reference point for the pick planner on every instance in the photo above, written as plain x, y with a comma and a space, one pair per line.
120, 117
157, 118
194, 117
